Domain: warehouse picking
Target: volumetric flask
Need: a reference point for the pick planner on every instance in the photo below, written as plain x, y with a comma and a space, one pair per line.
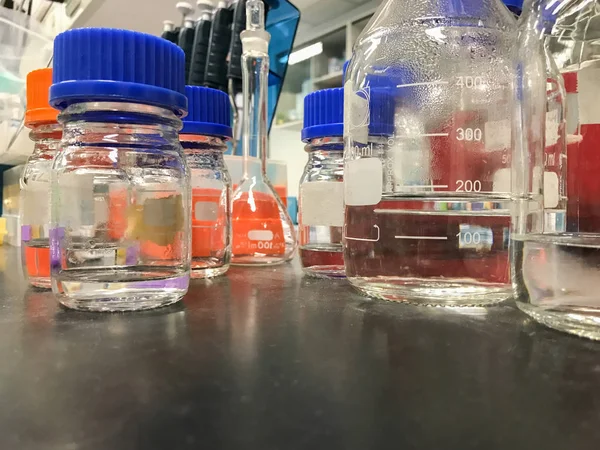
556, 274
427, 213
263, 232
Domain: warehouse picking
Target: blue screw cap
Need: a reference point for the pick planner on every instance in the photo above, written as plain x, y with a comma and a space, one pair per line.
104, 64
381, 112
323, 114
209, 112
515, 6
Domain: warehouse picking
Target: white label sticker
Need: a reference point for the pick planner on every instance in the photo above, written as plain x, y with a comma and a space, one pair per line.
552, 125
497, 135
206, 211
572, 113
101, 209
162, 212
76, 199
501, 182
260, 235
588, 85
363, 182
551, 197
356, 112
322, 203
35, 203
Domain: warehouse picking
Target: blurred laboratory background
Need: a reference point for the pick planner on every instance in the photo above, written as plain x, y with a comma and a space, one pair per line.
323, 41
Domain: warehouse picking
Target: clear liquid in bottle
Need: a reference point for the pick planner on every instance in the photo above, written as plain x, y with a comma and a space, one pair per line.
450, 251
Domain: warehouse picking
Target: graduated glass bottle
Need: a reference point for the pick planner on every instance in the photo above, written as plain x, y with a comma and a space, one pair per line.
556, 273
263, 233
427, 216
555, 148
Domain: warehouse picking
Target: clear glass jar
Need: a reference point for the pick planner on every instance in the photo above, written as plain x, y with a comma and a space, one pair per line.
556, 273
211, 204
436, 232
321, 209
120, 234
35, 204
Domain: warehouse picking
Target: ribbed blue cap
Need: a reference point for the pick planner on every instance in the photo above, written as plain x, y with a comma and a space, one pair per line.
104, 64
209, 112
323, 114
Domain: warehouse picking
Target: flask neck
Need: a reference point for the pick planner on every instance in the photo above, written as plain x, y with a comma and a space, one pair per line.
255, 67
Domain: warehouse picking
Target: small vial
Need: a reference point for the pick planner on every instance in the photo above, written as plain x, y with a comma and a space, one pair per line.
46, 132
321, 201
204, 139
120, 220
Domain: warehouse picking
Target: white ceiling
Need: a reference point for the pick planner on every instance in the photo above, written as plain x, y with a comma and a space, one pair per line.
147, 16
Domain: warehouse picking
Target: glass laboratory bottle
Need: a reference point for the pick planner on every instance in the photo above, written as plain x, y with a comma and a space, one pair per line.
204, 139
555, 150
556, 273
571, 43
263, 233
120, 222
555, 139
46, 133
436, 232
321, 201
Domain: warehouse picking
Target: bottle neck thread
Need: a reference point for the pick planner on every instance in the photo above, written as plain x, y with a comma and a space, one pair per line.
113, 123
46, 138
325, 144
191, 142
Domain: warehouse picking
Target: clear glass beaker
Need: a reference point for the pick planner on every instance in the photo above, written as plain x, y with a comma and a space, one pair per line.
556, 273
427, 215
263, 233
